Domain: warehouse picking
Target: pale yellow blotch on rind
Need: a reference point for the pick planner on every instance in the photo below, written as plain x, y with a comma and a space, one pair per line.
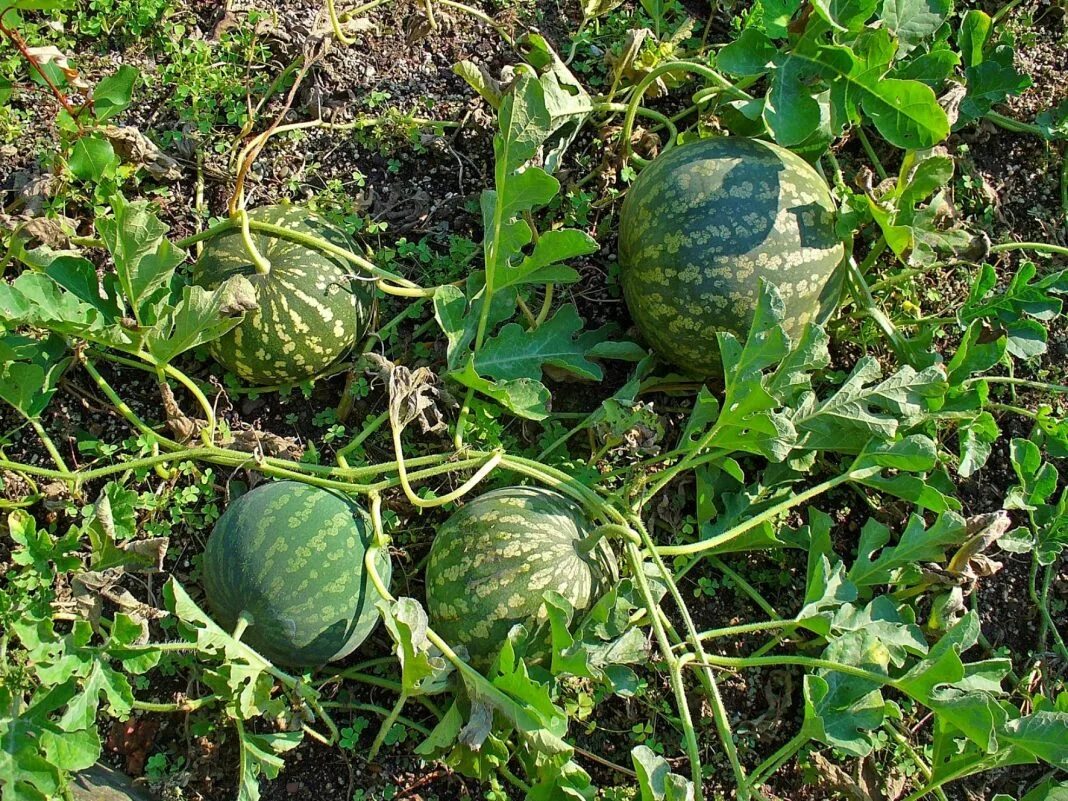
675, 308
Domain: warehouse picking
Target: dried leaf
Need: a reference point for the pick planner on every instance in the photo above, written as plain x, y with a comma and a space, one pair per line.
181, 425
478, 726
838, 780
252, 441
91, 588
970, 562
416, 28
226, 22
36, 192
415, 395
622, 64
133, 147
239, 296
951, 100
55, 232
50, 54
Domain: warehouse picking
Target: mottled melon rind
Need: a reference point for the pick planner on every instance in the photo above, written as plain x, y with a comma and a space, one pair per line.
493, 560
292, 555
703, 224
313, 306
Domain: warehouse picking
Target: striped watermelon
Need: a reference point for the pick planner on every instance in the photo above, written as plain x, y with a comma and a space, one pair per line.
703, 223
313, 307
493, 560
292, 555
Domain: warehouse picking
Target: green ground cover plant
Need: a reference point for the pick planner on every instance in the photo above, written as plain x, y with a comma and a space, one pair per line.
584, 592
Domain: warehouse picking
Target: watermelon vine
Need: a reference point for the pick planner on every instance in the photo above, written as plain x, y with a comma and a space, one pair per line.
785, 388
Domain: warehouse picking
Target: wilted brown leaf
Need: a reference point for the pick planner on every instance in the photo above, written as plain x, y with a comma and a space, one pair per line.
417, 395
133, 147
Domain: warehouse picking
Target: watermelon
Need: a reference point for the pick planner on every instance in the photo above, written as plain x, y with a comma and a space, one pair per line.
292, 556
493, 560
703, 224
312, 306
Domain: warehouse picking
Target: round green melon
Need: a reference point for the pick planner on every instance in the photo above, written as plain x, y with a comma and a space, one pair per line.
312, 306
292, 556
493, 560
703, 224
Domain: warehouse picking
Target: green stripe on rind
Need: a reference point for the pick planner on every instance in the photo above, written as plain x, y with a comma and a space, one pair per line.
313, 307
703, 223
493, 560
292, 555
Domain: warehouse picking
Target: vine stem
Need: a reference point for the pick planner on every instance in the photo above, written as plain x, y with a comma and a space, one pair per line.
745, 628
184, 706
908, 273
1020, 382
492, 252
891, 728
387, 724
546, 305
719, 709
858, 285
378, 710
313, 242
652, 114
370, 428
742, 662
674, 670
643, 85
1008, 123
870, 151
768, 514
329, 247
20, 45
422, 503
479, 15
259, 263
766, 768
49, 445
958, 772
1041, 602
350, 674
1005, 407
335, 23
741, 583
1038, 247
249, 154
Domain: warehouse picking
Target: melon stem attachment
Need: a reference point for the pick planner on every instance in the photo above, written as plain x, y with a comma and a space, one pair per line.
263, 267
381, 540
404, 291
639, 93
593, 539
369, 559
244, 620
